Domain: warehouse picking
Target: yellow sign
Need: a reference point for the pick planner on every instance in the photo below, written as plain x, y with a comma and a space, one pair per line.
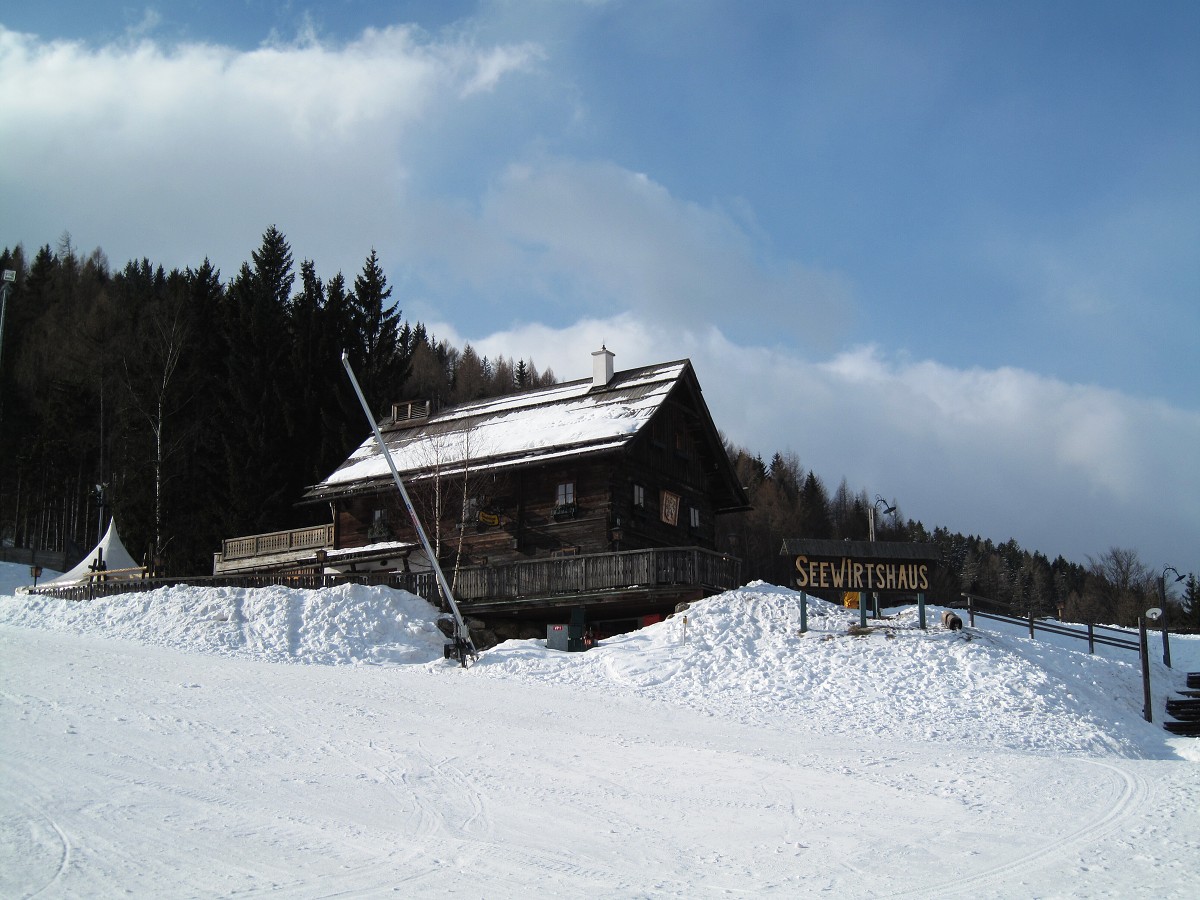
850, 599
488, 518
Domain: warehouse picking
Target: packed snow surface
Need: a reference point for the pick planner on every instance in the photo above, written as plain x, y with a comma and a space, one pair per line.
228, 742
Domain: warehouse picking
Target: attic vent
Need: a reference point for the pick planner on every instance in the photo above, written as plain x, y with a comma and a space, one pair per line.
410, 411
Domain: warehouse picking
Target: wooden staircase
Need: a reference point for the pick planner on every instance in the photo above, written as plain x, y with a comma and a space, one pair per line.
1185, 709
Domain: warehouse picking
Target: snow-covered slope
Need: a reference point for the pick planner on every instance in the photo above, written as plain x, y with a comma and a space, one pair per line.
154, 743
739, 655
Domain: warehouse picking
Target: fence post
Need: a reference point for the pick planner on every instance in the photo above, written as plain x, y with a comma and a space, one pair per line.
1031, 634
1091, 638
1147, 713
970, 610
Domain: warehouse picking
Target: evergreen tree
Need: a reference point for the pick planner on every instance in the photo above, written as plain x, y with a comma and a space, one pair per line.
375, 340
470, 377
258, 489
814, 509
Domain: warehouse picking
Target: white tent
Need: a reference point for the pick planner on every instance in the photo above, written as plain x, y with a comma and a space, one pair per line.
110, 553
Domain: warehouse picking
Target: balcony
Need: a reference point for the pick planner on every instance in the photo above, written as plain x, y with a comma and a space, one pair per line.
597, 575
626, 581
274, 549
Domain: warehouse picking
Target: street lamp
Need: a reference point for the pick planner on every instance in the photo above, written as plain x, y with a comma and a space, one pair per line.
1162, 596
888, 510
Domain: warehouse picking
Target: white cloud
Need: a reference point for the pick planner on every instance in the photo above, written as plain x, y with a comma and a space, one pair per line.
595, 239
196, 148
1063, 468
494, 64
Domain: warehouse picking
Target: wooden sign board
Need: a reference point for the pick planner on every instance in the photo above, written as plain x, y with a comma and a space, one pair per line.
880, 566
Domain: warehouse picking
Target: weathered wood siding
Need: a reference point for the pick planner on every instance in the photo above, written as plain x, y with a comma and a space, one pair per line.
666, 459
517, 515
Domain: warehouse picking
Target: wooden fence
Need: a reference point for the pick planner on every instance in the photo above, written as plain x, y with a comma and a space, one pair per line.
1105, 635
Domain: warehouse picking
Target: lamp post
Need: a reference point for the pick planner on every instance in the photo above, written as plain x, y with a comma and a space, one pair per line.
888, 510
10, 275
1162, 596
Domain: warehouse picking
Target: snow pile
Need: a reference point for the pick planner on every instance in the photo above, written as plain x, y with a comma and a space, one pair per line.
740, 656
348, 624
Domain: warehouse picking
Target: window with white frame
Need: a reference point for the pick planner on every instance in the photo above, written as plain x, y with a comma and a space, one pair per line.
564, 499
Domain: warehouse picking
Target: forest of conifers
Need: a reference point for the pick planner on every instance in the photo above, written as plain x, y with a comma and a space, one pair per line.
195, 408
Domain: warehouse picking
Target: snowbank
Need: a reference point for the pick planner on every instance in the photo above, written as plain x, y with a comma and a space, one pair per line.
349, 624
740, 656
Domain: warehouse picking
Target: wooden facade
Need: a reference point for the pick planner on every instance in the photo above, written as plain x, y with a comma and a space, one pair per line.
637, 465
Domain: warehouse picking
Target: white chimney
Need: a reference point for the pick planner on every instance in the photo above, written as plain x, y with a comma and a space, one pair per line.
602, 367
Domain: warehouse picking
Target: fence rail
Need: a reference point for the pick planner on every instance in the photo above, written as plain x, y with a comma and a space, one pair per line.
1093, 634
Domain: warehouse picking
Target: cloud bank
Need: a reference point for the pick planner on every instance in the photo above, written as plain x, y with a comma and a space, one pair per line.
1063, 468
447, 154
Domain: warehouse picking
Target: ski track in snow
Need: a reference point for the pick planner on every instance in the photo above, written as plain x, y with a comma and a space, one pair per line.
156, 734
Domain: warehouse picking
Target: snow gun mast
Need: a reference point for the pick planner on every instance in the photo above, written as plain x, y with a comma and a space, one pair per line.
460, 647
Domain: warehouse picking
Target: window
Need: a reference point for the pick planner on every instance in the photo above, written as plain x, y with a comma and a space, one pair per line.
694, 518
470, 513
639, 497
380, 528
564, 500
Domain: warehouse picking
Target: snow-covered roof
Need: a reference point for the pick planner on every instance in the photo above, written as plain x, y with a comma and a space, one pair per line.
540, 425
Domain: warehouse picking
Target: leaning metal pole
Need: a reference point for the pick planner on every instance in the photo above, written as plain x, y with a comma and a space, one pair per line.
462, 634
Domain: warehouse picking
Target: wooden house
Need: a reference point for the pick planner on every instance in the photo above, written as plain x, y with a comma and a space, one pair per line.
601, 493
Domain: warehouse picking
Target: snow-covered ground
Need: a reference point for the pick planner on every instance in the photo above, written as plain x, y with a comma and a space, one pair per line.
218, 742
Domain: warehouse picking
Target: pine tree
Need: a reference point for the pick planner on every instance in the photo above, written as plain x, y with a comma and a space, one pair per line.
375, 340
259, 491
814, 509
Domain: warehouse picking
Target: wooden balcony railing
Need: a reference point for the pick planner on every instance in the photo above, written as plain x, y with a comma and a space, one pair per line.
598, 572
277, 542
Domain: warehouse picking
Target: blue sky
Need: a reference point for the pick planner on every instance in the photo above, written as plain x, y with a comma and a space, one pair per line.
945, 250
